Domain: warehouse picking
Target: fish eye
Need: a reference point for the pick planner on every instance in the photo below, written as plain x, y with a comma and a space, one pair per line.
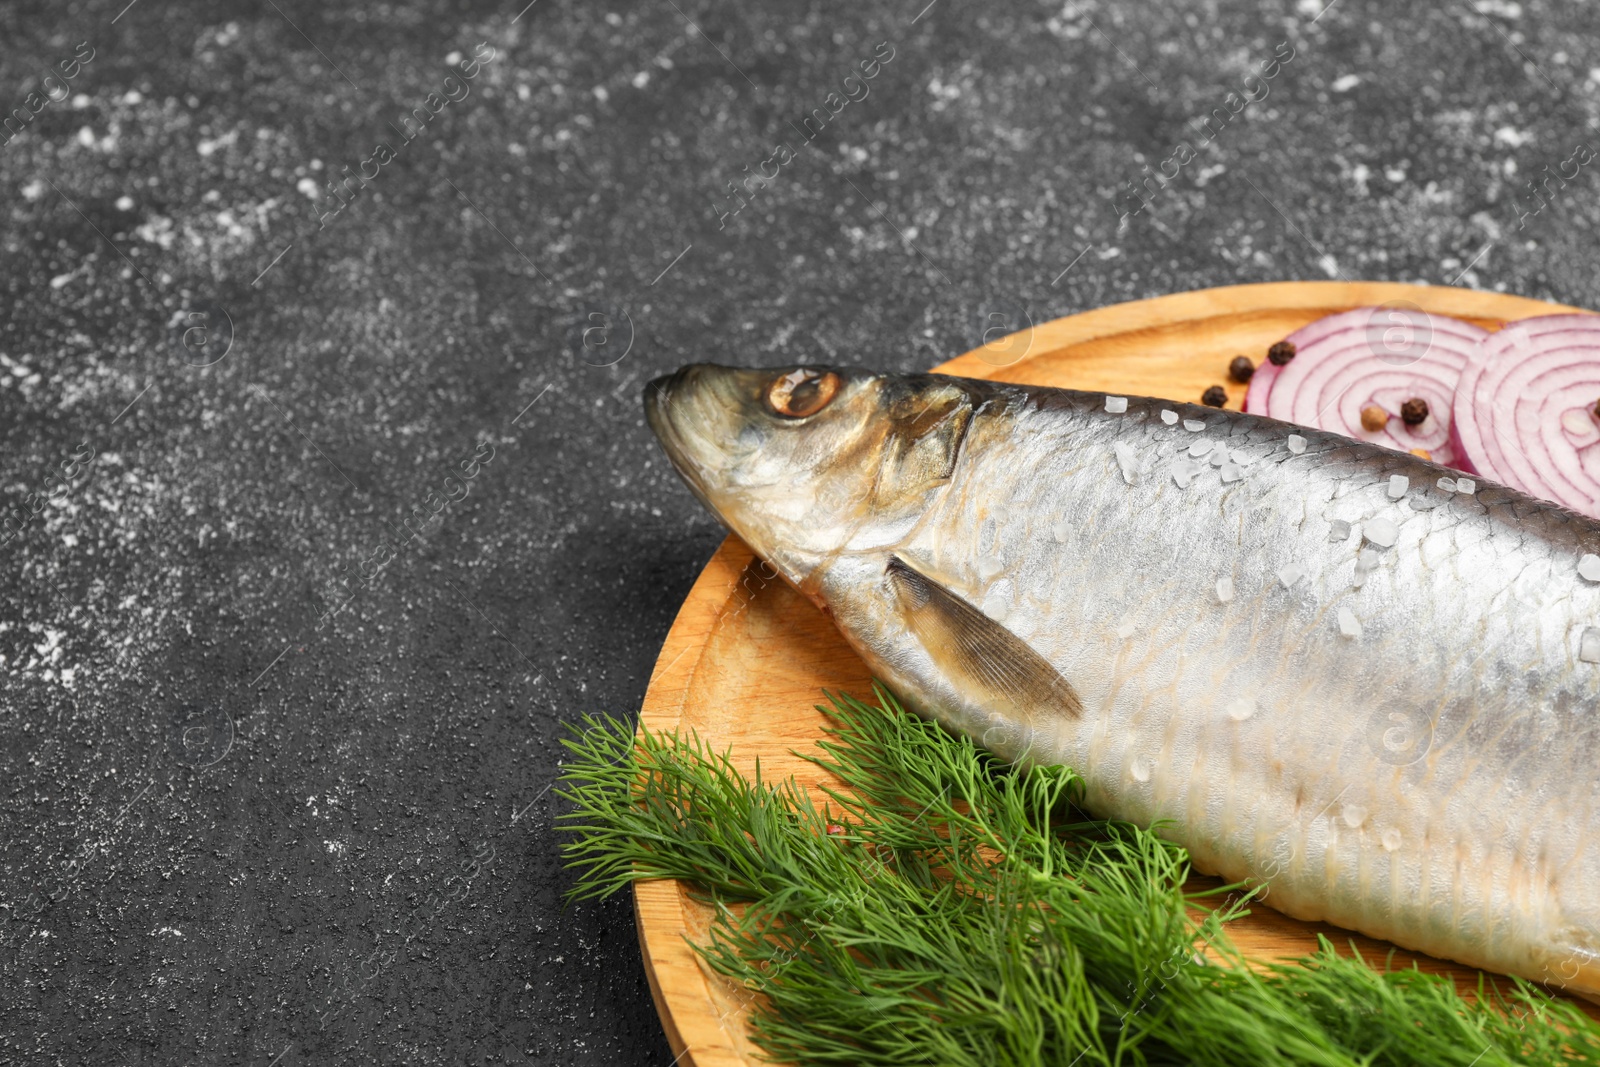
802, 392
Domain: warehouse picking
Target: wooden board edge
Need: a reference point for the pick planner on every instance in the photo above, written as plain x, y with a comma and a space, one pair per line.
1318, 297
662, 710
658, 996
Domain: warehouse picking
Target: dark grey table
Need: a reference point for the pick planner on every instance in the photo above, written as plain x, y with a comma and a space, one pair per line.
325, 509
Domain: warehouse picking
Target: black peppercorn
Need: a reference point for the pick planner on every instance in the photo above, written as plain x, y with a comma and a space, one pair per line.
1216, 397
1241, 369
1280, 353
1414, 411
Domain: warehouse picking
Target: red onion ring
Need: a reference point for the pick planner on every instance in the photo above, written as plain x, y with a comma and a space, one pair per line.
1524, 411
1373, 356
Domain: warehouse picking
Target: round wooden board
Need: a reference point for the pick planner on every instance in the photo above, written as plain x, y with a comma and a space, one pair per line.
747, 658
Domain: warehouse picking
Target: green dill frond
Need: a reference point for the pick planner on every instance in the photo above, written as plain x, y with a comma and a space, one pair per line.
947, 908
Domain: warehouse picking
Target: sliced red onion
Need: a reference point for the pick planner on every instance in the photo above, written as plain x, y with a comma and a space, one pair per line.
1524, 412
1371, 357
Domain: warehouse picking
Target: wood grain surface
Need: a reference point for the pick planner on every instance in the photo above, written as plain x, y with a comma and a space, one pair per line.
746, 660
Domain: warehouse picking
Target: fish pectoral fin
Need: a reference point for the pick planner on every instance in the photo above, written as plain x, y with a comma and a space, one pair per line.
1002, 670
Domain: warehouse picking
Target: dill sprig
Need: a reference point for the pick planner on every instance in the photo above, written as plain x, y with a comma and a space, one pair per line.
946, 908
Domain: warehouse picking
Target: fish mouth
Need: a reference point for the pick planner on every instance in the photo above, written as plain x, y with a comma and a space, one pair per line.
657, 398
659, 394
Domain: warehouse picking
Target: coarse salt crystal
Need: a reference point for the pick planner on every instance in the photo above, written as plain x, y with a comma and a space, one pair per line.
988, 567
1169, 417
1062, 531
1338, 530
1140, 769
1447, 485
1193, 425
1589, 567
1296, 443
1127, 461
1382, 532
1125, 628
1116, 404
1219, 456
1466, 485
996, 607
1241, 709
1354, 815
1366, 560
1391, 839
1349, 625
1201, 447
1589, 645
1291, 574
1398, 484
1224, 589
1577, 422
1231, 472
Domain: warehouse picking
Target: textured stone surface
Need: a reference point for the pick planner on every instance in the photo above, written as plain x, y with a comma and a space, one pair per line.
235, 828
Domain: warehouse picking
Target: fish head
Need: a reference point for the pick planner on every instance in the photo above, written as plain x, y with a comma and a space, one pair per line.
804, 463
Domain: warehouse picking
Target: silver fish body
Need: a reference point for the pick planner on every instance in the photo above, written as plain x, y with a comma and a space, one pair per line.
1318, 667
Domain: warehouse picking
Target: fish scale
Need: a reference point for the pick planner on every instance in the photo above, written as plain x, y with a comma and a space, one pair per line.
1432, 780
